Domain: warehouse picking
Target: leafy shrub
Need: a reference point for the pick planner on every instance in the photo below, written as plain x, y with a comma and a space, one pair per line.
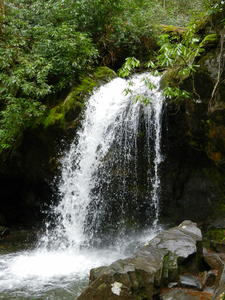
40, 54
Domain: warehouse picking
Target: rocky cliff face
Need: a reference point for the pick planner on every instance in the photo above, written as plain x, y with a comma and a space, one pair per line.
193, 172
28, 175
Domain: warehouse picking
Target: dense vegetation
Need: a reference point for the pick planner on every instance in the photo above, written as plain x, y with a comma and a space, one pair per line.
46, 46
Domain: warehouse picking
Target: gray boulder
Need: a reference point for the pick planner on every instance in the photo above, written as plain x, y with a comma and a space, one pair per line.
190, 281
153, 266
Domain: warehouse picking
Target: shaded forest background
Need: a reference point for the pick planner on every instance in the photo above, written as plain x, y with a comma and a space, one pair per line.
46, 47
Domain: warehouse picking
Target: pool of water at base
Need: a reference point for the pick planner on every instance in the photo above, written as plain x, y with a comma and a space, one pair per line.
56, 274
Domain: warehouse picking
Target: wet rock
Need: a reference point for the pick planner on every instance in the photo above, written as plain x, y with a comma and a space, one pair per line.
215, 239
219, 223
142, 275
172, 285
180, 240
210, 279
190, 281
192, 229
210, 290
185, 294
218, 246
213, 260
4, 231
134, 276
221, 286
222, 256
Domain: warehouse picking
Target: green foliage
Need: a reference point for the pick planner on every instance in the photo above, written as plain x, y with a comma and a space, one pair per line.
139, 97
16, 117
41, 53
214, 6
128, 28
176, 94
128, 67
151, 86
45, 46
180, 54
216, 234
142, 99
177, 56
210, 39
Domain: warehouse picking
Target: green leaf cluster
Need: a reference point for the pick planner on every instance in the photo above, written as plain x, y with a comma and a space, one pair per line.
176, 93
180, 54
40, 54
128, 67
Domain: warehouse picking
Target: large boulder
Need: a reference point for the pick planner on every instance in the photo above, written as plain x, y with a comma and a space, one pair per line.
192, 177
153, 266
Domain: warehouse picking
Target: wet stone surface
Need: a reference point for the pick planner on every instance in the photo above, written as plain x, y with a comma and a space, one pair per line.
152, 266
190, 281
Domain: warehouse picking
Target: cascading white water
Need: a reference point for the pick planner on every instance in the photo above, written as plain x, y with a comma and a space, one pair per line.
106, 140
99, 188
153, 121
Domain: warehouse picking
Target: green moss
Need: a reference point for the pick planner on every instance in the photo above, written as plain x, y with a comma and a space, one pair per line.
170, 267
68, 110
214, 236
53, 117
202, 22
178, 30
142, 295
104, 73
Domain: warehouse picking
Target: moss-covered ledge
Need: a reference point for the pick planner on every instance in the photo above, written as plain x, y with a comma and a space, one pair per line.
65, 114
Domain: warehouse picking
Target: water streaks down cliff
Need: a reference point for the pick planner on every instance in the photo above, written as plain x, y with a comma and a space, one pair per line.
108, 183
109, 191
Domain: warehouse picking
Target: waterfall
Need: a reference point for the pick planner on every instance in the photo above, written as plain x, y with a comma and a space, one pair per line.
99, 185
109, 191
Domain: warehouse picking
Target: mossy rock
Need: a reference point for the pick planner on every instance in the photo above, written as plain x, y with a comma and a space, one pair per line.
201, 23
215, 239
170, 268
64, 114
216, 234
169, 78
177, 30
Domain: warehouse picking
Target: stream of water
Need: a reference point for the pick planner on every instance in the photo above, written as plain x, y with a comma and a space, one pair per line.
101, 189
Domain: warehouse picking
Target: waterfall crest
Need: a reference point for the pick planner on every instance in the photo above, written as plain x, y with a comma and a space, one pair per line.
100, 179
